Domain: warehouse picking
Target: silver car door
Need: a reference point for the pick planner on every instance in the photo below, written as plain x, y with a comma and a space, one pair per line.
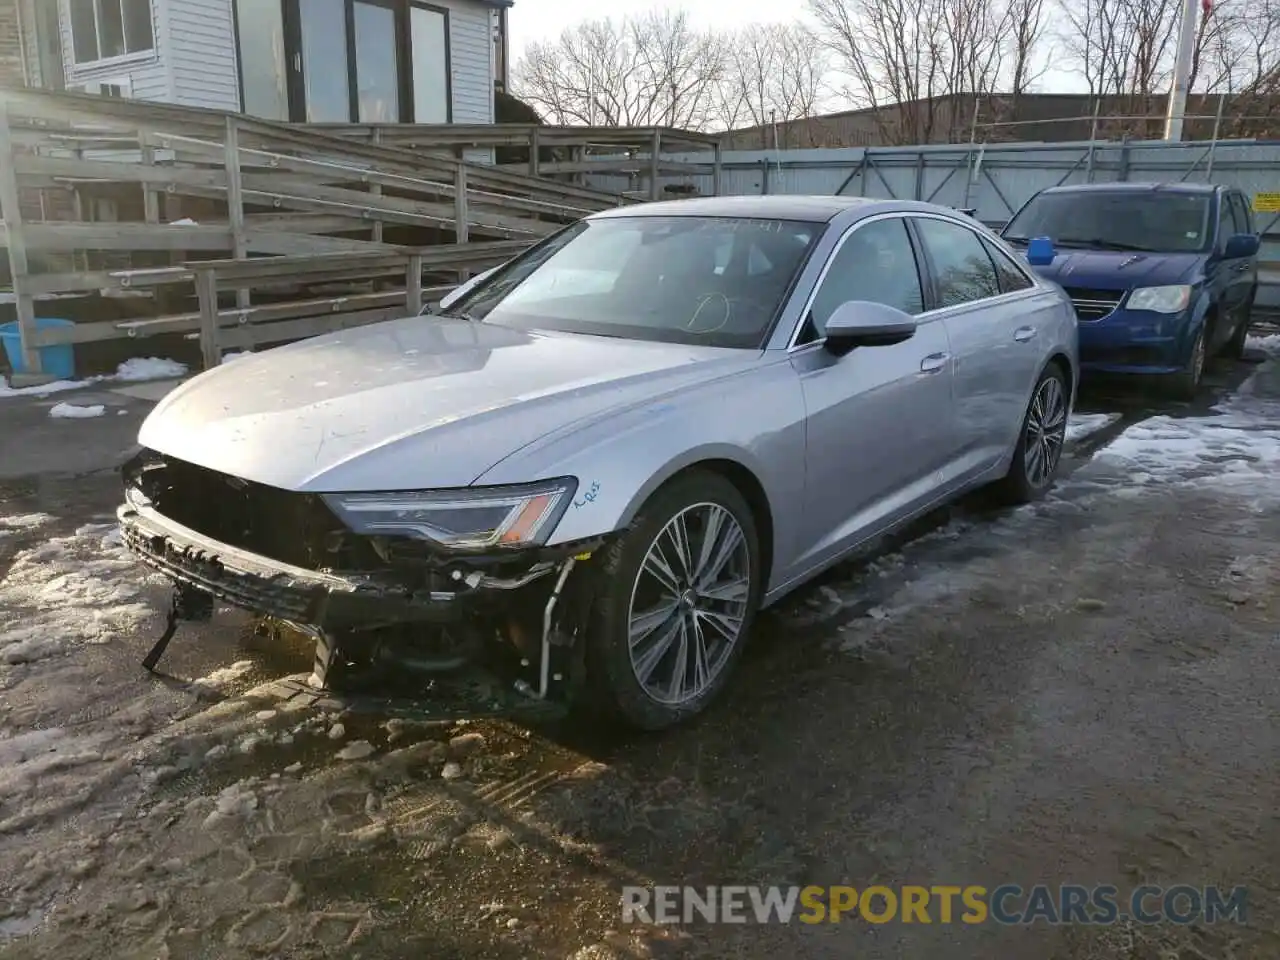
993, 338
879, 425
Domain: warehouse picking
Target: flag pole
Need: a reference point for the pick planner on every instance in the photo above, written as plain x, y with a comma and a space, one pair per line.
1182, 70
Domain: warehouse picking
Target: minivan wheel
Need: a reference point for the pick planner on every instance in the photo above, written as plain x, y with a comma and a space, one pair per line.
1186, 384
1234, 348
1039, 450
677, 597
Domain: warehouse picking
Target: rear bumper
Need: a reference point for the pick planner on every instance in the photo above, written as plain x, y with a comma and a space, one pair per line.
265, 586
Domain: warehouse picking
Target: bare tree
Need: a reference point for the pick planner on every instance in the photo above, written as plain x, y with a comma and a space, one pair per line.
773, 73
1125, 50
653, 69
919, 65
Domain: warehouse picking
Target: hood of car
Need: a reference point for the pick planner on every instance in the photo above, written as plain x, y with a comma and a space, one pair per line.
419, 403
1119, 270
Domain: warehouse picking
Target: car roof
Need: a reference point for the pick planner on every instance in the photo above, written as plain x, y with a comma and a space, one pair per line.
1128, 187
771, 207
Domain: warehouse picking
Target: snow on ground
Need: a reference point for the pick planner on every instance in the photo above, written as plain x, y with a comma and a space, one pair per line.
70, 411
134, 370
1269, 344
1236, 448
66, 591
1083, 425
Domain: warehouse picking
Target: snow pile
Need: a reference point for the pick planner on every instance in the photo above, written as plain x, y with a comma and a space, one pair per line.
84, 588
150, 368
70, 411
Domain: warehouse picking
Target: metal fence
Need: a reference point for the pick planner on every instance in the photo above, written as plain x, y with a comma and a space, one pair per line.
996, 179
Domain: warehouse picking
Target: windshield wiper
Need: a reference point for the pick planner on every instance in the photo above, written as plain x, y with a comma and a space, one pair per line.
458, 315
1100, 244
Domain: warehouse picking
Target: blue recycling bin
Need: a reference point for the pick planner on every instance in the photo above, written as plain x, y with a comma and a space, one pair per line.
58, 362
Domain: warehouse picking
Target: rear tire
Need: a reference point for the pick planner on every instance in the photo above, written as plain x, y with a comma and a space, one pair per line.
664, 638
1186, 384
1040, 443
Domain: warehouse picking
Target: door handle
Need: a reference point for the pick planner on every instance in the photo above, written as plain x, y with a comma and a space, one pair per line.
934, 362
1023, 334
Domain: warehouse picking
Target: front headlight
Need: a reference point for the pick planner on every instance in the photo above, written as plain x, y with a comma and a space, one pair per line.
1172, 299
471, 518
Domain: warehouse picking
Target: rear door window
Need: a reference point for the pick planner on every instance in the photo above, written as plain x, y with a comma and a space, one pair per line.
963, 272
1008, 273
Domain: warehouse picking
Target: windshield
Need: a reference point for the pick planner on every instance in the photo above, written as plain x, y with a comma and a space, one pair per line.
1150, 221
713, 281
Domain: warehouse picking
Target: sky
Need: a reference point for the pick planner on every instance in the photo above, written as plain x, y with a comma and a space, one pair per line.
532, 20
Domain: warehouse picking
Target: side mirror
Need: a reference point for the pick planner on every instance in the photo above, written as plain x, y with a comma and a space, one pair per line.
861, 323
1242, 245
458, 292
1040, 252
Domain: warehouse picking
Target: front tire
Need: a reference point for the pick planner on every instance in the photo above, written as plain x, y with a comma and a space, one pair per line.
1186, 384
1234, 348
677, 598
1044, 433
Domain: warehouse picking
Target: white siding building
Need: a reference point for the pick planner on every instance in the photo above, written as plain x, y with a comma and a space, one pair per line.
322, 61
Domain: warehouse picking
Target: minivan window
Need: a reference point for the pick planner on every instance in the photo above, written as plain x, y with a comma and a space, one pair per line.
1244, 219
1226, 221
1153, 221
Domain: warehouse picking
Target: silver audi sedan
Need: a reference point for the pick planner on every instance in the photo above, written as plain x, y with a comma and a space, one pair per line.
592, 466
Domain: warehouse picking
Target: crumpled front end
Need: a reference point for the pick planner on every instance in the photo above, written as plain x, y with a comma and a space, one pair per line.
289, 556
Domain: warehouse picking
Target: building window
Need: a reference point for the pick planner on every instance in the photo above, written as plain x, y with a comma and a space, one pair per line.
263, 77
430, 52
344, 61
106, 29
324, 61
378, 76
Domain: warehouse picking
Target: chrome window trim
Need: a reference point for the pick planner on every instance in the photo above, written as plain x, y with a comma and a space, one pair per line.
1037, 285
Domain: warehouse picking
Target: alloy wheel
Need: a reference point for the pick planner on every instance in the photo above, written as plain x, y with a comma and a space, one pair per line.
1046, 431
689, 603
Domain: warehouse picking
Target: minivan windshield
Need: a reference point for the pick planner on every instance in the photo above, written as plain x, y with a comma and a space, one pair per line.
1152, 221
712, 281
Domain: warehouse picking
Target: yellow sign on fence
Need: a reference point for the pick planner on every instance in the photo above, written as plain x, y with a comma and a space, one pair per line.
1266, 202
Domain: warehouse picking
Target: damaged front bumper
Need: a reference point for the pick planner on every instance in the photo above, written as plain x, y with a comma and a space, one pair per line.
324, 600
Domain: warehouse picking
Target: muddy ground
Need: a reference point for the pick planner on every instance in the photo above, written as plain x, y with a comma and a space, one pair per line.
1083, 691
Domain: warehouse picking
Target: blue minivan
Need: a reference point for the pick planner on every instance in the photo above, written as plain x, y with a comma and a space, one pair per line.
1162, 276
